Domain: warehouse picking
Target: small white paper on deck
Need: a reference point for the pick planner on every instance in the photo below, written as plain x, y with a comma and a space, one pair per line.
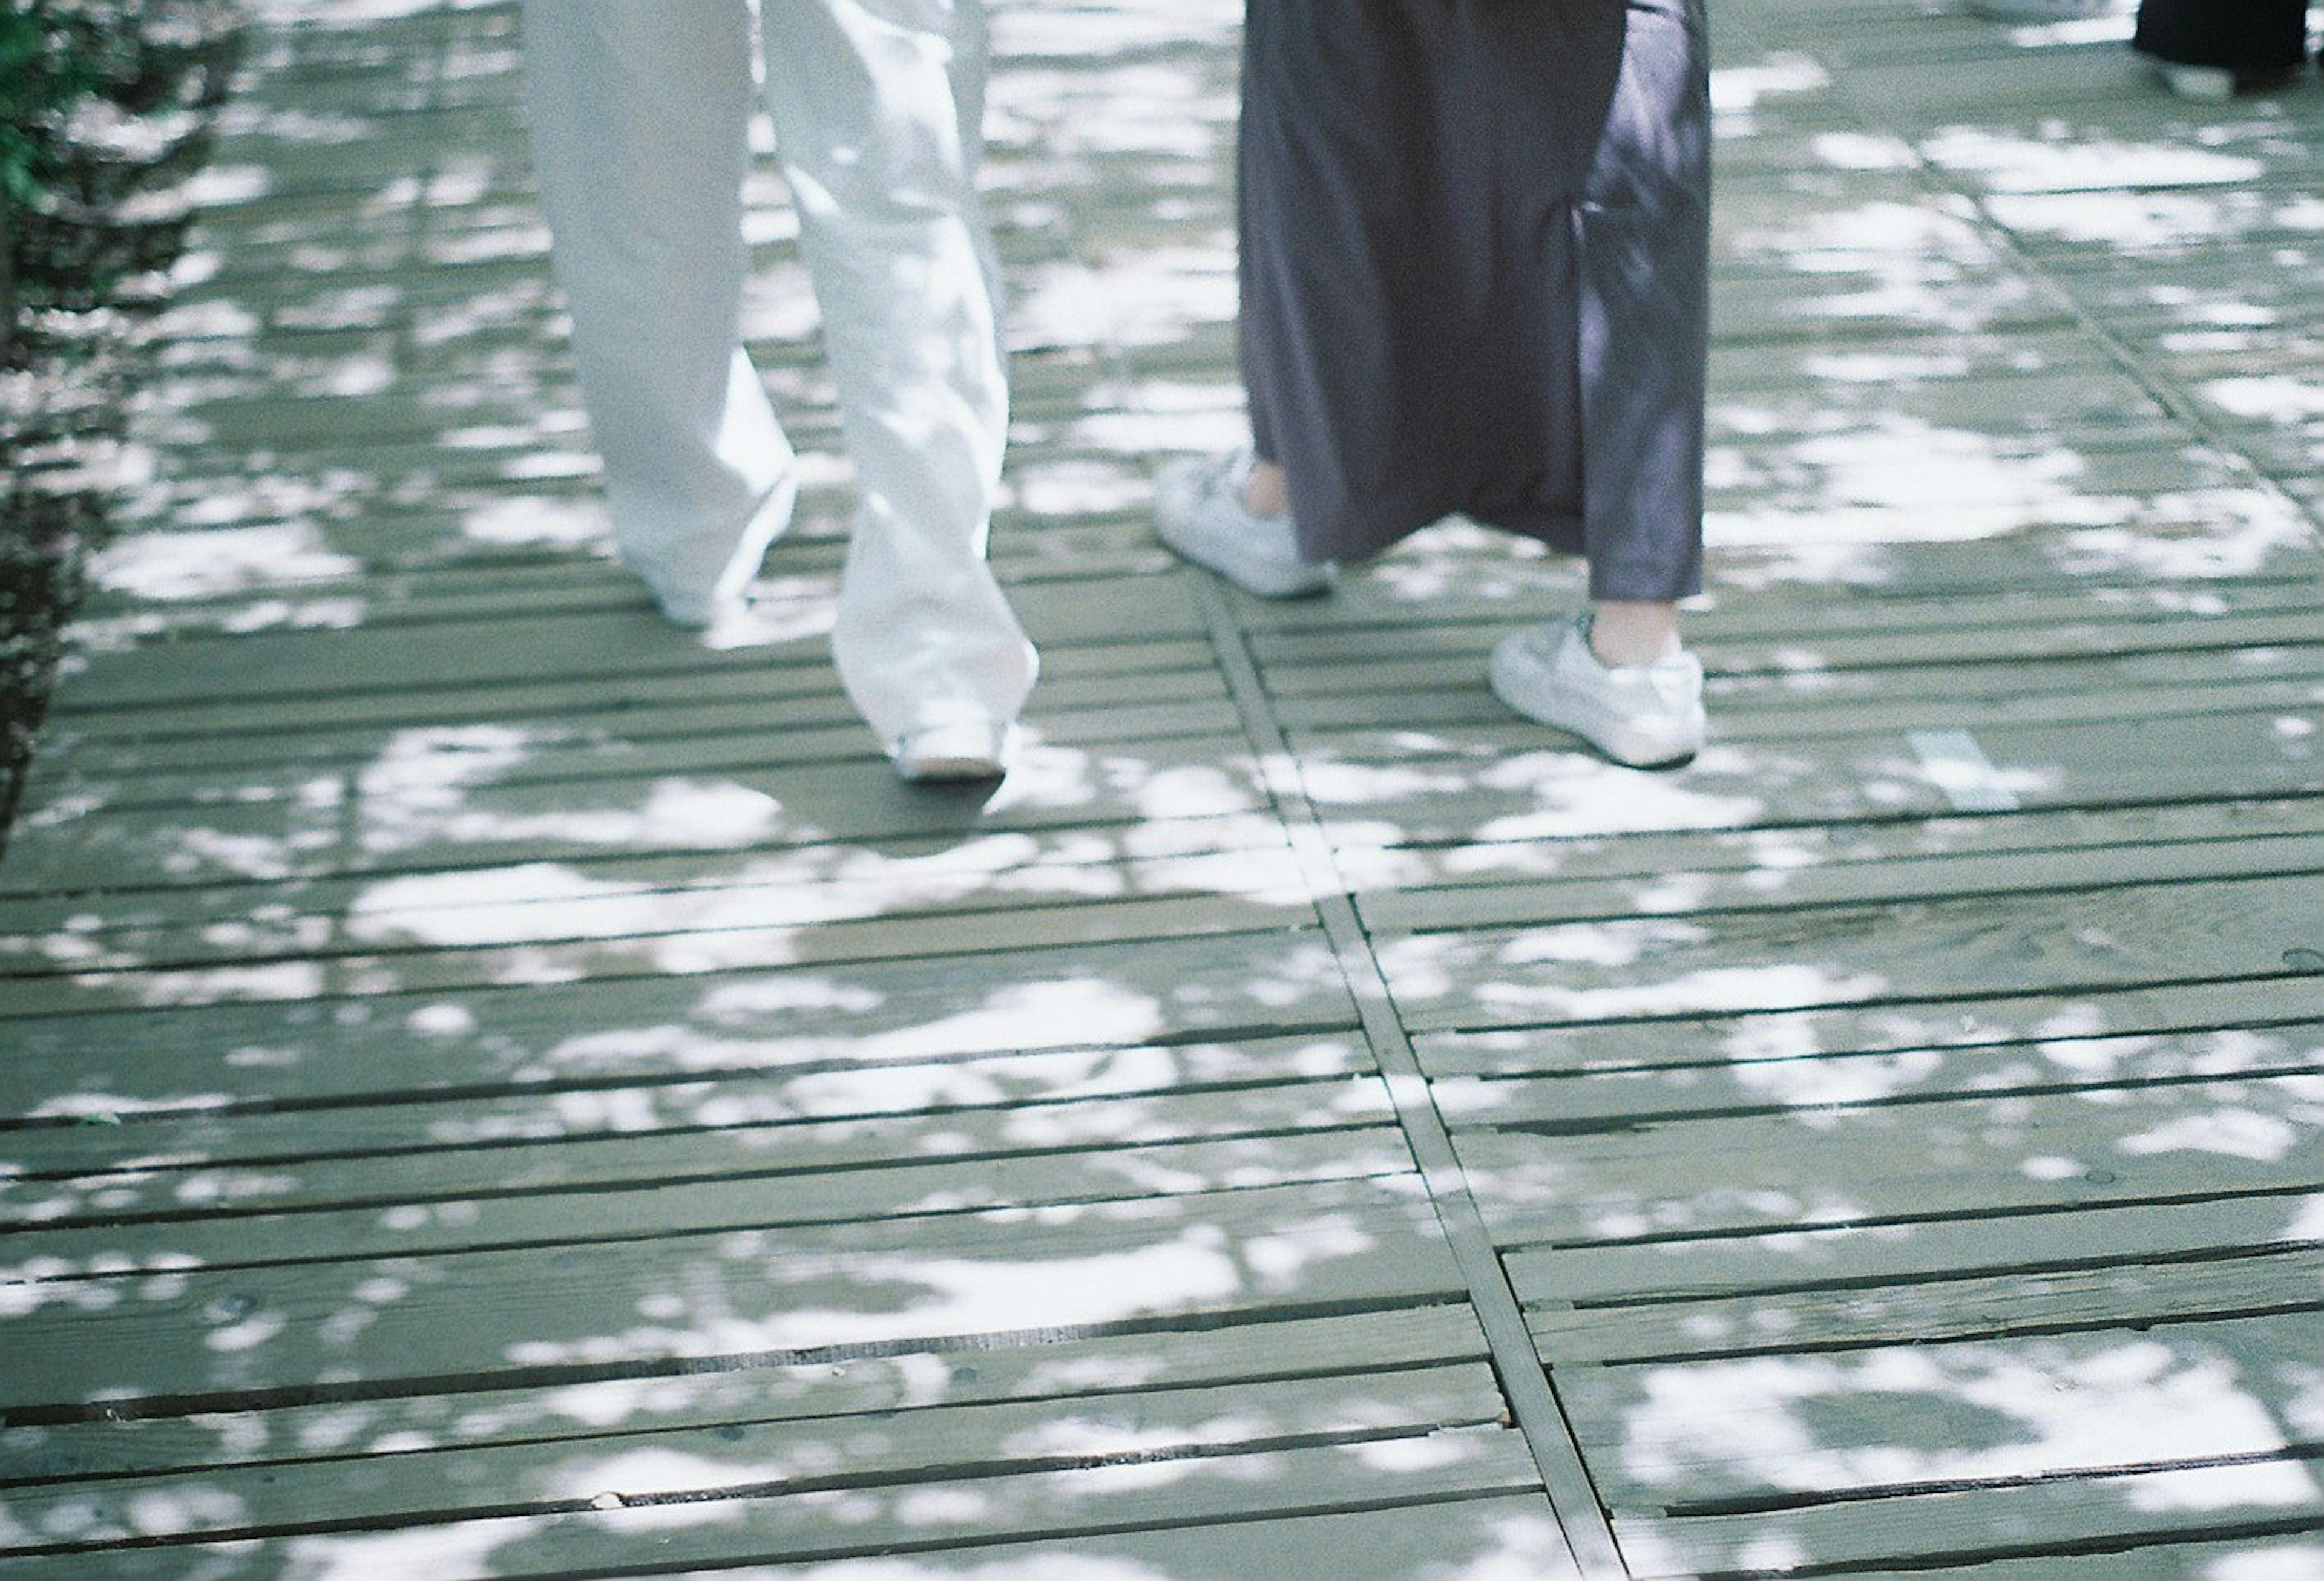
1961, 772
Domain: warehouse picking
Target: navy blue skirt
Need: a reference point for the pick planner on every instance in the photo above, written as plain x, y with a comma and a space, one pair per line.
1475, 238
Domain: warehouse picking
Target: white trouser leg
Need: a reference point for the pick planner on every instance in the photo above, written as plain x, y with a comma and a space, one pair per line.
878, 108
641, 116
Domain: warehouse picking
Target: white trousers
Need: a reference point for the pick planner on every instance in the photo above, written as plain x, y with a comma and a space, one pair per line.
640, 113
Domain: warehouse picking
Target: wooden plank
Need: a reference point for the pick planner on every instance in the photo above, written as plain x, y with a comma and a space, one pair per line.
1905, 588
2084, 1029
393, 966
586, 744
1703, 1436
542, 903
472, 363
1587, 1099
611, 898
2128, 1296
437, 802
777, 695
1781, 630
2216, 536
463, 224
445, 54
446, 149
1317, 658
758, 1460
2066, 944
2154, 227
1436, 694
255, 1132
396, 1210
155, 584
2253, 1558
118, 764
1400, 1475
1451, 709
409, 277
1049, 1368
1901, 383
655, 1028
464, 487
2234, 527
244, 347
1477, 1538
1957, 285
1680, 1269
621, 644
485, 346
1868, 309
1388, 878
2227, 1506
135, 599
1871, 1164
1683, 891
211, 1338
445, 926
481, 507
1520, 782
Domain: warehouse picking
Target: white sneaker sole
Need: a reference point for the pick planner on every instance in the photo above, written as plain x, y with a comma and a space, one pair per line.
1525, 683
956, 753
2202, 85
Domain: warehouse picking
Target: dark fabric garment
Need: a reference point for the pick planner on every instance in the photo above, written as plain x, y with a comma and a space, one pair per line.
1475, 241
2240, 35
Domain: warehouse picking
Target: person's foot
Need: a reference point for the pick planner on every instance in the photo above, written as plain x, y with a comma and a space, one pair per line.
705, 579
2216, 85
1645, 715
693, 609
955, 750
1199, 512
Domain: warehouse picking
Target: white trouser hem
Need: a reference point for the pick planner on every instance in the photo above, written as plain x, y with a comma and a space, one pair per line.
640, 117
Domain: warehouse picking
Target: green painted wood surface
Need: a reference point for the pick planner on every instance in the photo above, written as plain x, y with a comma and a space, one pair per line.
471, 1058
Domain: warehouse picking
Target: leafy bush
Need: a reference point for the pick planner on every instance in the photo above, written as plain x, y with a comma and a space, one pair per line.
42, 75
106, 107
101, 101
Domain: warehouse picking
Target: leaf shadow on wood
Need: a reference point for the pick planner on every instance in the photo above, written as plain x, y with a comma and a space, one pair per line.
2046, 1274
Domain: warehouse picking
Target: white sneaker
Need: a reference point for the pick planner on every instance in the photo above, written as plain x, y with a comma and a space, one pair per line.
1643, 715
1198, 511
2216, 85
2202, 85
951, 751
693, 611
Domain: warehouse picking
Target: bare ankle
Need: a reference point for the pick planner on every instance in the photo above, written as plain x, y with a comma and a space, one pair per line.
1263, 492
1624, 633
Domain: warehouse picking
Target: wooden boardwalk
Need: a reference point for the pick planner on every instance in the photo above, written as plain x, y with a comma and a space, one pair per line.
490, 1086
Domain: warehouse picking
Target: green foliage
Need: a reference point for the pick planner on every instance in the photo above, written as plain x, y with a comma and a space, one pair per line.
45, 69
83, 211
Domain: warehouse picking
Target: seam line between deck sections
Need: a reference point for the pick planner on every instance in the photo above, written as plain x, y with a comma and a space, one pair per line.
2178, 403
1525, 1377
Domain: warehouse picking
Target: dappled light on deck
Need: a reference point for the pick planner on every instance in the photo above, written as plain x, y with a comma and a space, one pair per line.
496, 1086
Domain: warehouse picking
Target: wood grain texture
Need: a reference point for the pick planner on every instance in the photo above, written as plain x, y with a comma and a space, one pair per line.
492, 1086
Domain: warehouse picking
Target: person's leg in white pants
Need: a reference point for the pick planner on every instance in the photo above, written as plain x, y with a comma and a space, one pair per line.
879, 106
641, 116
640, 122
